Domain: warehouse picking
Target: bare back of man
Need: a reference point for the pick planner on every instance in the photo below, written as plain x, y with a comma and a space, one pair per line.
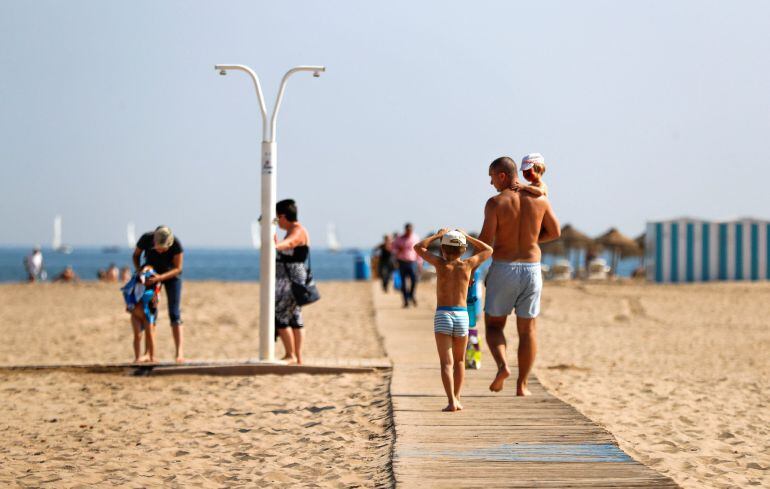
514, 223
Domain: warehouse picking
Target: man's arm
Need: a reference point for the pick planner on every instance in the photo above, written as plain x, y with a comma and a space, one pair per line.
489, 228
550, 229
422, 248
482, 251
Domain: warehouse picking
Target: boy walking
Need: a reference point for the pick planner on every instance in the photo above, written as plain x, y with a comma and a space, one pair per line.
450, 324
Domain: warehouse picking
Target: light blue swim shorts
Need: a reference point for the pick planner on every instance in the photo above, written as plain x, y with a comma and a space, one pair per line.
513, 285
451, 320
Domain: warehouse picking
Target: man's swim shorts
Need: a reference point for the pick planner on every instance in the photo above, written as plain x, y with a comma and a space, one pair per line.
513, 285
451, 320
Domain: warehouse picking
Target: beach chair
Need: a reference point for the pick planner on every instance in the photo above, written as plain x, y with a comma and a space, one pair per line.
561, 270
598, 269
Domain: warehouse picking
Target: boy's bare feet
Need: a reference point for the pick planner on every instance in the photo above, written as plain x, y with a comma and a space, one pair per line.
521, 389
503, 372
450, 408
290, 359
179, 359
458, 405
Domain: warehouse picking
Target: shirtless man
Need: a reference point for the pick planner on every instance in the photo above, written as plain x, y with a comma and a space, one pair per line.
514, 223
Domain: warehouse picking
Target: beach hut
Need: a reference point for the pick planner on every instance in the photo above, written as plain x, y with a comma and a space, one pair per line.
695, 250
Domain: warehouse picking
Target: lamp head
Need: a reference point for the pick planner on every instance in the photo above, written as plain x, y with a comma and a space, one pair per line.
223, 72
316, 74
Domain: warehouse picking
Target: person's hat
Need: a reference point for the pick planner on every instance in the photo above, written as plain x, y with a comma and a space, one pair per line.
163, 237
528, 161
453, 238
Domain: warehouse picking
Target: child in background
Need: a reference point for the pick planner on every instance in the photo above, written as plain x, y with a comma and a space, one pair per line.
533, 169
450, 323
473, 350
142, 303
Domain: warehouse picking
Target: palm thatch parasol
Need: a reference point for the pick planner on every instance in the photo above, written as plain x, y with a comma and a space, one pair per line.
555, 247
620, 244
570, 239
641, 241
574, 239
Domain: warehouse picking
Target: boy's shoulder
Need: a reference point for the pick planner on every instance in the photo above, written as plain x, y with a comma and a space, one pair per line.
454, 264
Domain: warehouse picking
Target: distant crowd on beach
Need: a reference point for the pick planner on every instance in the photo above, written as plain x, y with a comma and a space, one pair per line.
34, 266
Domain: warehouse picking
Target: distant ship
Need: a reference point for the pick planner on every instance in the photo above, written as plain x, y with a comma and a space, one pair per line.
56, 244
332, 243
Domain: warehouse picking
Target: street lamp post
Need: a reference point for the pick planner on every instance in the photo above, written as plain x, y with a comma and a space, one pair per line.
269, 169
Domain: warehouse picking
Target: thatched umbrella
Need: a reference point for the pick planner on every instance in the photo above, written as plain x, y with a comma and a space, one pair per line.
641, 241
574, 240
555, 247
570, 239
620, 244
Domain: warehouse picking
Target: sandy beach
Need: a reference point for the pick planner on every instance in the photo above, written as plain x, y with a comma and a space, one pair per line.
87, 323
77, 430
679, 374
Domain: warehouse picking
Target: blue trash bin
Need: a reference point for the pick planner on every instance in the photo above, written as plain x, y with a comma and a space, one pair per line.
396, 280
362, 269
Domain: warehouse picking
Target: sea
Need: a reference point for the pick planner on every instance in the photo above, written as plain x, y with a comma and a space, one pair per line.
238, 265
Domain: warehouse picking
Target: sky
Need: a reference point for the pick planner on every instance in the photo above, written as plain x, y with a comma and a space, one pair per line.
111, 112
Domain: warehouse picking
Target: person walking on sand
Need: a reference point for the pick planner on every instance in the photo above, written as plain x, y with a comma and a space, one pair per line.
164, 253
292, 253
450, 323
385, 263
403, 248
514, 223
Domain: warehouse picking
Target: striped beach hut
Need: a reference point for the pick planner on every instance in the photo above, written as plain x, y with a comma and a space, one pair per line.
694, 250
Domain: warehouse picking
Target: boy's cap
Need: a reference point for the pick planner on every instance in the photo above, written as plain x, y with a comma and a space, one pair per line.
163, 237
453, 238
529, 160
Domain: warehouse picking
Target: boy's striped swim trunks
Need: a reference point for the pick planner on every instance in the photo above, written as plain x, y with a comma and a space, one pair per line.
451, 320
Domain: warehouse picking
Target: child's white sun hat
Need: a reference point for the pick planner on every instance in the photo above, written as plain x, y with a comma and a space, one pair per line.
529, 160
453, 238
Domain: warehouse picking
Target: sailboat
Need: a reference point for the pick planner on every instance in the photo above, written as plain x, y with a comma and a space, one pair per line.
331, 238
56, 244
131, 234
256, 242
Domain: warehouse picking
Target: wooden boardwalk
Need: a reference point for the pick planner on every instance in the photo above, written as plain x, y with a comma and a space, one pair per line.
498, 440
218, 367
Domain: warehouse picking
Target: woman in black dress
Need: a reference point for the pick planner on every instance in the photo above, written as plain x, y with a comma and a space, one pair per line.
292, 252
